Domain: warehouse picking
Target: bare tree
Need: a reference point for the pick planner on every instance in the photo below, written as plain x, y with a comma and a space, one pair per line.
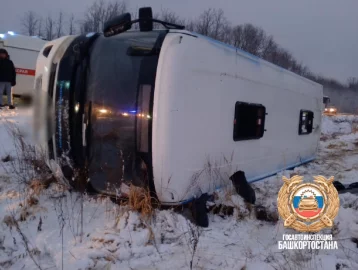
212, 23
100, 12
352, 83
253, 39
311, 76
295, 66
269, 48
85, 27
205, 22
134, 15
190, 25
49, 28
71, 25
30, 22
329, 82
171, 17
284, 58
155, 25
305, 71
249, 38
220, 25
237, 36
59, 25
39, 28
226, 35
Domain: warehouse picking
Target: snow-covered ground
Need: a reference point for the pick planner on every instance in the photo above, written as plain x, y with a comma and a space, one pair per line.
48, 234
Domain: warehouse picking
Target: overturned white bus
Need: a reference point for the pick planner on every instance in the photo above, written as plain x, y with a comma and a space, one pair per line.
172, 109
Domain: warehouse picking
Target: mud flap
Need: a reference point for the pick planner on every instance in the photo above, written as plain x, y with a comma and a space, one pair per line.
242, 187
200, 212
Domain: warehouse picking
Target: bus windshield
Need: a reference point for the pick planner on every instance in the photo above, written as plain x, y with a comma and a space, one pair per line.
120, 86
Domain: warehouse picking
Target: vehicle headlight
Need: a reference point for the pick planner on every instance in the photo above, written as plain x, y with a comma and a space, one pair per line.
103, 111
332, 110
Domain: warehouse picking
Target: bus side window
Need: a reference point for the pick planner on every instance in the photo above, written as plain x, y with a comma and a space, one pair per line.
249, 121
306, 122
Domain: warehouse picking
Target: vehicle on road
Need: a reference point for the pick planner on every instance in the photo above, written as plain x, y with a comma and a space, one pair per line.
329, 109
326, 101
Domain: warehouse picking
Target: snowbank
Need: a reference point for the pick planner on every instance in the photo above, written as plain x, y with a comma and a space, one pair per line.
337, 125
344, 118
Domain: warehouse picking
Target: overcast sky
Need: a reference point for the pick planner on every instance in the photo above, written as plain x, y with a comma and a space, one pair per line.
321, 33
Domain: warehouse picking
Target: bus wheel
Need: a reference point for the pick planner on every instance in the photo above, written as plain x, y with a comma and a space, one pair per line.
199, 211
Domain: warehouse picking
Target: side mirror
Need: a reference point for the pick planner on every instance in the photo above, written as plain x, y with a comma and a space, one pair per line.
117, 25
123, 23
145, 19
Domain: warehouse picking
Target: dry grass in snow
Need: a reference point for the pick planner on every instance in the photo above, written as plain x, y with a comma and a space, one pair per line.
46, 226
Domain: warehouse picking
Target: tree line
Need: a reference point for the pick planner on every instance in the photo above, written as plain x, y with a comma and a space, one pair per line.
211, 22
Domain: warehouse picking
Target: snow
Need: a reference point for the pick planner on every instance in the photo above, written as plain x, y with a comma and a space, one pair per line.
344, 118
339, 124
330, 127
114, 237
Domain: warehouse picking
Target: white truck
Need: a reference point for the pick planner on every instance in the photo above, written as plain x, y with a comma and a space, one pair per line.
23, 51
171, 109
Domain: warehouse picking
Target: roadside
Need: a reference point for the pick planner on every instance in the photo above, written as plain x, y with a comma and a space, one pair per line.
48, 227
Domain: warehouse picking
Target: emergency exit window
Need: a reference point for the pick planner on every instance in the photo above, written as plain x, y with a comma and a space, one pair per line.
306, 122
249, 121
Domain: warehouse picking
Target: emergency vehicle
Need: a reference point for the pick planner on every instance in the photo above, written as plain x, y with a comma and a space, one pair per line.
23, 51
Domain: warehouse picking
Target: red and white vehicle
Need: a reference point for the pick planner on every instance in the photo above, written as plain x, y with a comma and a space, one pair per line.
23, 51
